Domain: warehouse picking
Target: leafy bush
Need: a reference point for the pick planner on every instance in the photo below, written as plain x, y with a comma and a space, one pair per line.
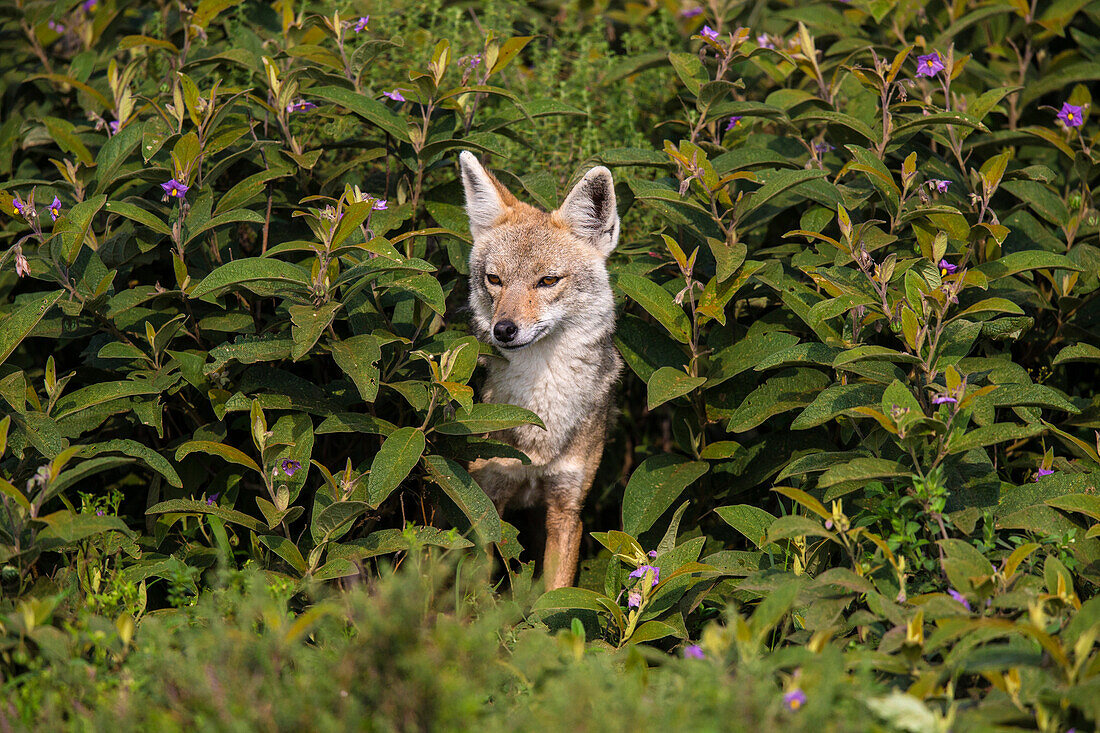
859, 278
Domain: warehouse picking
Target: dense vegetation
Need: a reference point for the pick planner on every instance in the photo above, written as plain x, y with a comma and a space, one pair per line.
857, 458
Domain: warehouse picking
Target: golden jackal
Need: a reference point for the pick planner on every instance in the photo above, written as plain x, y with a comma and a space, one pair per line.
539, 293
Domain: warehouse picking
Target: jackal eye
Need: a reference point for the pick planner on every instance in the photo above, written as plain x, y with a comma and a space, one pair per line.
549, 281
493, 279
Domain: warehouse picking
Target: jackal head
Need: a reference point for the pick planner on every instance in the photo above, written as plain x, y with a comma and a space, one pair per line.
535, 274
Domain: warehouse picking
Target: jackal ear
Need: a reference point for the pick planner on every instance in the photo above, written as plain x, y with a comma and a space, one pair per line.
486, 197
589, 210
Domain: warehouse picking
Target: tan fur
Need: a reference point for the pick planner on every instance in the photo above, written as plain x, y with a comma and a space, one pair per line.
563, 364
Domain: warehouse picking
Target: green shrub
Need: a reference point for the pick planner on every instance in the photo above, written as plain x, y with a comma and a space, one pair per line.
858, 276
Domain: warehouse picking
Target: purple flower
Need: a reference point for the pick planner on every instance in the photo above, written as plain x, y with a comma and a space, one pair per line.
1043, 472
395, 95
1071, 115
794, 699
379, 205
473, 61
55, 208
938, 185
114, 125
56, 27
929, 65
652, 554
959, 597
290, 466
300, 106
19, 206
361, 24
99, 512
734, 122
946, 268
691, 12
823, 147
694, 651
764, 42
89, 5
175, 189
212, 500
828, 524
709, 32
641, 571
634, 599
944, 399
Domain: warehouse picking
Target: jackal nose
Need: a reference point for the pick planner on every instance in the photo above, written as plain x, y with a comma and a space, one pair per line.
505, 331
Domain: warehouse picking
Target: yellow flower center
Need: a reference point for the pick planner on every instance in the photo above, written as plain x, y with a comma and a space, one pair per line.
173, 192
796, 703
1070, 117
943, 271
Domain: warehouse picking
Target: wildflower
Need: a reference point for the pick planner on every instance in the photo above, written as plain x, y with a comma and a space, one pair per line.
99, 512
946, 268
56, 27
763, 41
361, 24
212, 499
641, 571
114, 125
634, 599
22, 267
929, 65
794, 699
691, 12
959, 597
290, 466
1071, 115
652, 554
379, 205
473, 61
828, 524
694, 651
55, 208
19, 206
734, 122
395, 95
300, 106
709, 32
944, 399
823, 147
1043, 472
938, 185
175, 189
89, 5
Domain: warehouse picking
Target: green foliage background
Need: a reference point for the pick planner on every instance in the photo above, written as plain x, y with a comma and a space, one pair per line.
858, 448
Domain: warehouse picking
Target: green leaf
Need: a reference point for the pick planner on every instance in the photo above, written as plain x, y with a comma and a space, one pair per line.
1032, 259
690, 70
385, 541
1077, 352
75, 225
568, 599
249, 270
194, 506
335, 520
369, 109
395, 459
307, 324
22, 321
150, 457
229, 217
784, 391
467, 496
358, 357
336, 568
861, 469
751, 521
1087, 504
65, 527
1031, 395
668, 383
225, 452
285, 549
486, 417
776, 183
835, 400
754, 349
653, 486
659, 303
138, 214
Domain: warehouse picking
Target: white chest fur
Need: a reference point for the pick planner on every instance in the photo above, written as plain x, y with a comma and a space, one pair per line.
555, 380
